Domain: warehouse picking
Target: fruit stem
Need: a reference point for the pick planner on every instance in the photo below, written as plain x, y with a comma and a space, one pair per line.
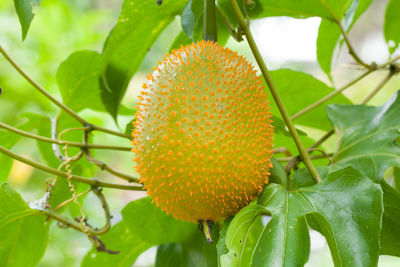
264, 70
206, 228
210, 23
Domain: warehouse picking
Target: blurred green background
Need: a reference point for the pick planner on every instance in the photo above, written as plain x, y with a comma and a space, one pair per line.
61, 27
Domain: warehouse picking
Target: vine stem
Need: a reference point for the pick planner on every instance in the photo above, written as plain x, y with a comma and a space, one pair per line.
72, 199
378, 87
210, 22
86, 229
54, 141
103, 166
92, 182
329, 96
284, 159
55, 101
350, 46
264, 70
236, 34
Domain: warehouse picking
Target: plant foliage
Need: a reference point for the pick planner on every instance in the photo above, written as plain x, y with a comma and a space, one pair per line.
354, 203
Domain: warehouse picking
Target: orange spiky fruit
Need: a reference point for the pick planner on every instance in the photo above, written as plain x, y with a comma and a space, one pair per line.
203, 134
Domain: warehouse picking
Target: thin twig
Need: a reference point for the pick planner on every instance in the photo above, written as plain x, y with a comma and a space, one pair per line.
378, 87
72, 199
329, 96
364, 101
81, 179
389, 62
86, 229
352, 52
274, 92
54, 141
285, 159
322, 139
236, 34
55, 147
103, 166
283, 150
55, 101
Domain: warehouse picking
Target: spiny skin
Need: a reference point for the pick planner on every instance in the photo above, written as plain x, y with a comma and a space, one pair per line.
203, 134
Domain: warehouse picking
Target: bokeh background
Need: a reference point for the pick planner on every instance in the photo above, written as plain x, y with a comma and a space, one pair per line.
61, 27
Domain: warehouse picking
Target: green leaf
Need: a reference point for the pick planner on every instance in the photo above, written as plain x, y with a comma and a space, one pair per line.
346, 207
181, 39
221, 243
120, 238
194, 253
156, 227
328, 36
396, 178
42, 125
369, 136
278, 174
129, 127
390, 235
327, 9
24, 10
170, 255
191, 16
192, 21
253, 9
78, 80
139, 25
392, 25
23, 236
143, 226
6, 164
8, 140
305, 91
329, 33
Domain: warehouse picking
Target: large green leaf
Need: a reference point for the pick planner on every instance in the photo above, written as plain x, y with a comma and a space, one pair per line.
78, 80
23, 236
369, 136
327, 9
143, 225
161, 228
7, 140
328, 36
139, 25
346, 207
390, 235
196, 252
180, 39
191, 17
122, 239
392, 24
305, 91
24, 10
329, 33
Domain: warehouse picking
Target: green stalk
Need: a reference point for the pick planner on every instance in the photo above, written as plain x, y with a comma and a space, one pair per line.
264, 70
92, 182
210, 22
54, 141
